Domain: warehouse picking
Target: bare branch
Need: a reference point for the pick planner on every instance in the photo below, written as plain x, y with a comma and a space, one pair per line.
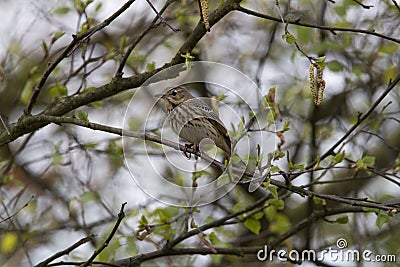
321, 27
146, 136
76, 40
121, 215
65, 251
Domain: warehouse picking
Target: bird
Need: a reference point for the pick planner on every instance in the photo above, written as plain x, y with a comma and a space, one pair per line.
193, 120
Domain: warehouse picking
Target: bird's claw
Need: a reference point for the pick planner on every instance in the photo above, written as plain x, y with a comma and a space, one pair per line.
192, 146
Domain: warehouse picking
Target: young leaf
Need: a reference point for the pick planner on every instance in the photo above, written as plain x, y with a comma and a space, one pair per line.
273, 191
382, 219
289, 38
369, 161
342, 220
319, 201
253, 225
82, 115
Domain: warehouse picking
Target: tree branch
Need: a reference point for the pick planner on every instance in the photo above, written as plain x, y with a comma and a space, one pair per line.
241, 251
117, 85
134, 44
43, 119
361, 119
321, 27
121, 215
65, 251
76, 40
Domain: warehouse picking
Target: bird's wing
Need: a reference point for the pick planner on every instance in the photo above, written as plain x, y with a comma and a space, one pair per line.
206, 111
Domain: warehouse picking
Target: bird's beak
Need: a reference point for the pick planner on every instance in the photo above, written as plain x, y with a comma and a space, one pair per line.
160, 95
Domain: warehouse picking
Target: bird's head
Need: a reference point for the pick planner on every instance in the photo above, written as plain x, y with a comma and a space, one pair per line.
176, 95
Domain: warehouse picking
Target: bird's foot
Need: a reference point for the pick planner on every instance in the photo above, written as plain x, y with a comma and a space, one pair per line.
188, 154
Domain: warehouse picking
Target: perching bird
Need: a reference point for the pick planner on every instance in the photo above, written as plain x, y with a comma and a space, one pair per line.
193, 120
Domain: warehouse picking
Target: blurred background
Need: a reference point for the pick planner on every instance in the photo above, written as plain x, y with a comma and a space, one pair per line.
64, 182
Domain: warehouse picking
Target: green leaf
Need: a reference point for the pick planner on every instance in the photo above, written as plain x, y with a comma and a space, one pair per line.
107, 254
214, 239
298, 167
335, 66
281, 224
342, 220
222, 97
271, 117
388, 48
279, 204
27, 92
390, 73
57, 159
270, 213
58, 91
166, 214
360, 165
267, 183
341, 10
320, 59
274, 169
368, 209
151, 66
193, 223
89, 196
258, 215
79, 6
253, 225
188, 60
223, 179
131, 248
274, 191
82, 115
99, 6
143, 220
319, 201
57, 36
369, 161
237, 207
198, 174
286, 126
339, 157
289, 38
45, 48
382, 219
9, 242
62, 10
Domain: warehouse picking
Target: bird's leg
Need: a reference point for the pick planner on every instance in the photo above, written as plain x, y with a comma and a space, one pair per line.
185, 150
195, 148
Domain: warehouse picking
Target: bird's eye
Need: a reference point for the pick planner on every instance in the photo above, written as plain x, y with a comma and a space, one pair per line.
174, 93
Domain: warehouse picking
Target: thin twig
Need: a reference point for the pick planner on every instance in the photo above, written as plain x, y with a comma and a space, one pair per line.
238, 251
65, 251
321, 27
76, 40
361, 119
396, 5
118, 85
5, 125
154, 138
363, 6
16, 212
121, 215
163, 21
135, 43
